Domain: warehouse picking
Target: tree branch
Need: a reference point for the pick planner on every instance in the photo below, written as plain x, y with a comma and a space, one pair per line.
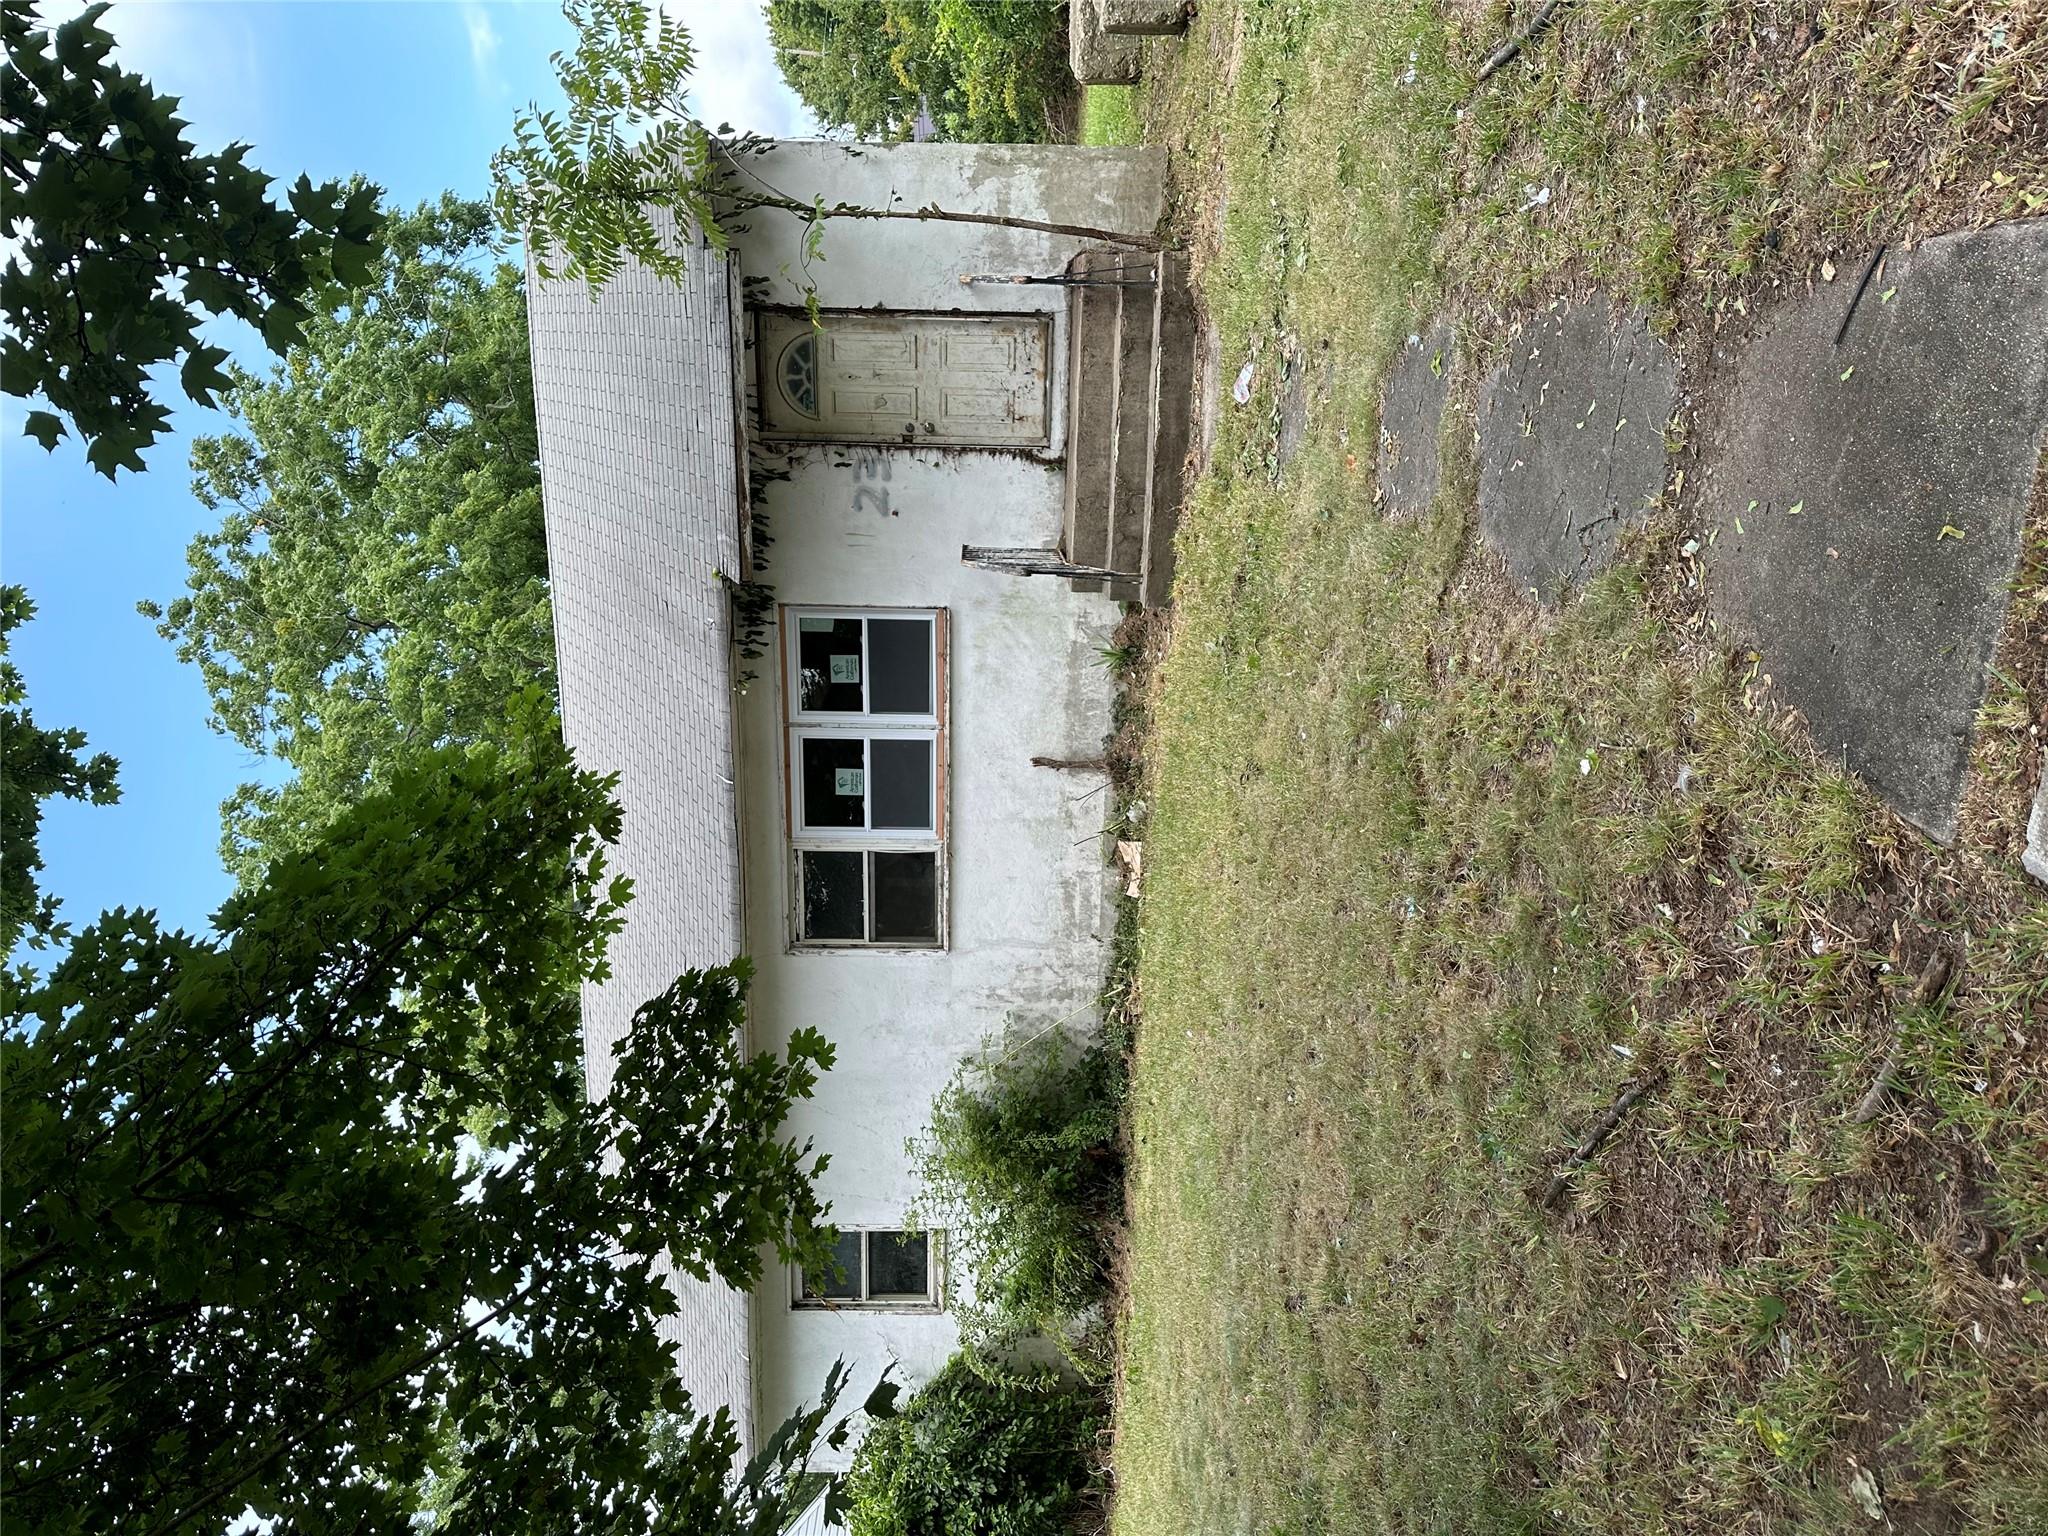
234, 1479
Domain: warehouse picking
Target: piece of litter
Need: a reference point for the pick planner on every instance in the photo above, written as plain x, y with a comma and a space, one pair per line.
1684, 777
1622, 1051
1750, 508
1690, 547
1131, 855
1241, 391
1795, 509
1834, 553
1827, 271
1847, 371
1864, 1490
1949, 531
1538, 197
1585, 767
1738, 525
1886, 296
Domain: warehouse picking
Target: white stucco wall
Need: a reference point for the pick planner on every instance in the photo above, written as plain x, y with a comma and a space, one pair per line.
1028, 905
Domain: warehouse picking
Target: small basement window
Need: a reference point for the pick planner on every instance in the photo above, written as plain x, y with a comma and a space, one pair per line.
877, 1268
865, 697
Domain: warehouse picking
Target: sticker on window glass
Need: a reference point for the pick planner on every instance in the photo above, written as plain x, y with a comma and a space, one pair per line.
846, 669
810, 626
847, 781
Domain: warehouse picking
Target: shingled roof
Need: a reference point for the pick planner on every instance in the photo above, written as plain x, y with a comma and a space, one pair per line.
639, 465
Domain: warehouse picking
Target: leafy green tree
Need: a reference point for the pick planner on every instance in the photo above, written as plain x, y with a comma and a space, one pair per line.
1000, 71
124, 240
378, 581
604, 183
989, 71
35, 764
254, 1256
839, 56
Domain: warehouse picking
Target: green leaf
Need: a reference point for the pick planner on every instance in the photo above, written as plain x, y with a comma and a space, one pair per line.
881, 1402
202, 375
44, 427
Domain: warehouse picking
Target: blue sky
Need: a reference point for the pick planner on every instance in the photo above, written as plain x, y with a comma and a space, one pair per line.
414, 94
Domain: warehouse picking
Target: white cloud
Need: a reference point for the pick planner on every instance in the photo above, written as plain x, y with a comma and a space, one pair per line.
483, 48
736, 80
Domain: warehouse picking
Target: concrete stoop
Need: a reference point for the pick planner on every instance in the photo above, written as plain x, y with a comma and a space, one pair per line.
1096, 55
1142, 18
1130, 405
1102, 36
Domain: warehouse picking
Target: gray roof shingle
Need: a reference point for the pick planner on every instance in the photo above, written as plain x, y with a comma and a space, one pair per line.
634, 392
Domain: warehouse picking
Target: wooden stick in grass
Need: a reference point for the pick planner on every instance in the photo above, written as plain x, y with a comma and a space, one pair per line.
1631, 1091
1933, 977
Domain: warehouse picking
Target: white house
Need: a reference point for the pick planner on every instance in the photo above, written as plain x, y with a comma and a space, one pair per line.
857, 808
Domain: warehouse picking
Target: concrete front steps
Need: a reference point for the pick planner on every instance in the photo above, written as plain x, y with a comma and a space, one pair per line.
1130, 408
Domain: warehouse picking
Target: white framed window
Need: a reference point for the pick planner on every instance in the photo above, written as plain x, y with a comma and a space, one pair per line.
876, 1268
865, 706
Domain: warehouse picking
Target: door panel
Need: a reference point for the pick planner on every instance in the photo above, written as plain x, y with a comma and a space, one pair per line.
966, 379
848, 348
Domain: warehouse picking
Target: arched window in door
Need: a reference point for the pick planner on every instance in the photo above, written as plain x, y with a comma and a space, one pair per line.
799, 376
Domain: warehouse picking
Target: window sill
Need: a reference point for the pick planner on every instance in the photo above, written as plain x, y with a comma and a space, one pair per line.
896, 1308
859, 947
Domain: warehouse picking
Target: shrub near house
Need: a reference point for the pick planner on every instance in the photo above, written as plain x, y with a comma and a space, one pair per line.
1019, 1166
978, 1451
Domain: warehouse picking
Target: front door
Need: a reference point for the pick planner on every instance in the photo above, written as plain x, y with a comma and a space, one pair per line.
866, 378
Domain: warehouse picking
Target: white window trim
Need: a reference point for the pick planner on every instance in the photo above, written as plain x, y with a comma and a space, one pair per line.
934, 1299
865, 836
912, 946
801, 725
792, 678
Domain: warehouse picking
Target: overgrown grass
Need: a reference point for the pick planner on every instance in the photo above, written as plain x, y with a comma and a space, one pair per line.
1423, 889
1109, 115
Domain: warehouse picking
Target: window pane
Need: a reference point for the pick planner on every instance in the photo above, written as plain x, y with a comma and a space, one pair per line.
907, 897
903, 783
841, 1280
898, 1266
828, 665
834, 904
834, 774
900, 658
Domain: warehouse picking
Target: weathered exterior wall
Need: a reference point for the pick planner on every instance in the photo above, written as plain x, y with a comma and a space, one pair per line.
878, 527
917, 263
639, 468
